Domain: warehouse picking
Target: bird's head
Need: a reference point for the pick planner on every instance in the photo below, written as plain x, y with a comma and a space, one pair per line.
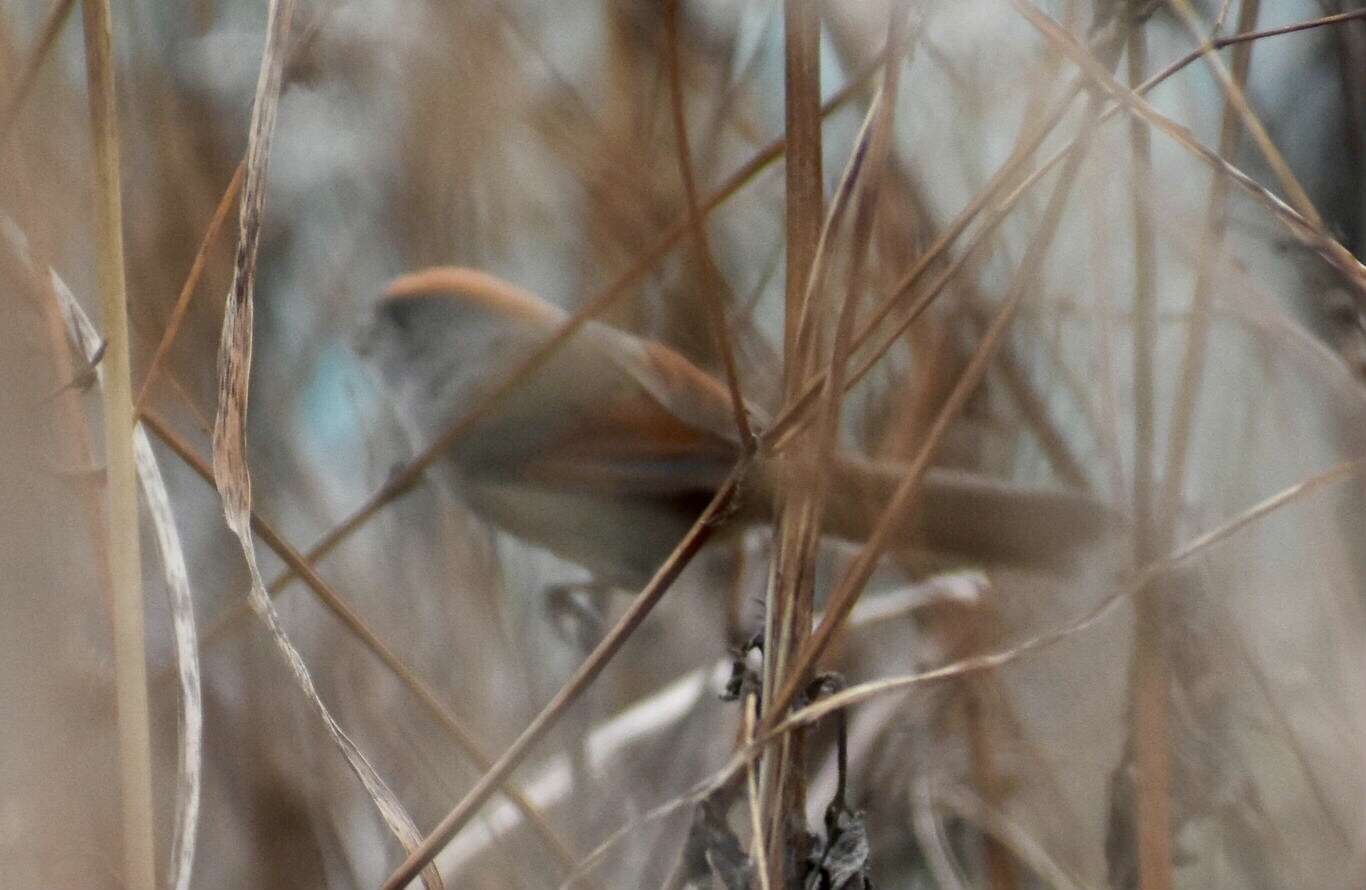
437, 338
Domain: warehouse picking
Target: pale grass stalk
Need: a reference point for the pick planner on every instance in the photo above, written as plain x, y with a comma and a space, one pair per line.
1150, 678
756, 821
73, 332
787, 616
124, 549
803, 203
801, 518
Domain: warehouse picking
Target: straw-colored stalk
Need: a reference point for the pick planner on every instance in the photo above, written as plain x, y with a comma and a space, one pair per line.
125, 559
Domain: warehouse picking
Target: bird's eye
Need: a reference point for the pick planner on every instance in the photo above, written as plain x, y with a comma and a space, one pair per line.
399, 314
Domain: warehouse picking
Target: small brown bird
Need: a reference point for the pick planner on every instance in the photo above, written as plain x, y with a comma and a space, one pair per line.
609, 452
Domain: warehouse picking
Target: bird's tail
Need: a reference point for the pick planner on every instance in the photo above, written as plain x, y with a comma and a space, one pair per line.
958, 514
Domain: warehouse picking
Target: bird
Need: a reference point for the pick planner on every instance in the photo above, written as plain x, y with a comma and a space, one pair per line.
606, 455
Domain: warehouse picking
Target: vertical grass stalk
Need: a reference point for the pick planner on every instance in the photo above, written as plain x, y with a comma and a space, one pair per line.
124, 555
1152, 757
787, 618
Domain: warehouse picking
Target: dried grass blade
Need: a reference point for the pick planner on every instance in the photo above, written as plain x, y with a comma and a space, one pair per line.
875, 145
789, 591
231, 472
814, 287
88, 343
787, 618
756, 823
791, 596
797, 407
190, 759
1150, 735
802, 124
1295, 28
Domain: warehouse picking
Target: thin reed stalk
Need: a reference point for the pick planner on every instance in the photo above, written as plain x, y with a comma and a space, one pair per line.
124, 548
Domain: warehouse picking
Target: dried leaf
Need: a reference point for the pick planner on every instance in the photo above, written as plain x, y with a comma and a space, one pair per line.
844, 862
713, 851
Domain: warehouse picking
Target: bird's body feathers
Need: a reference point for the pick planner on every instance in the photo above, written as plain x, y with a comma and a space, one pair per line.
606, 455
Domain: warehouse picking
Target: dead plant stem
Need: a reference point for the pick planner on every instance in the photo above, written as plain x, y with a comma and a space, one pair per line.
1152, 755
124, 548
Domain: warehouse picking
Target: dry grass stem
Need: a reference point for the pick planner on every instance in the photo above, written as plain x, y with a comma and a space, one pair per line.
1151, 680
124, 550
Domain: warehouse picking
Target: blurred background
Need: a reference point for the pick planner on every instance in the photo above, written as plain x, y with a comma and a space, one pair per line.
535, 141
